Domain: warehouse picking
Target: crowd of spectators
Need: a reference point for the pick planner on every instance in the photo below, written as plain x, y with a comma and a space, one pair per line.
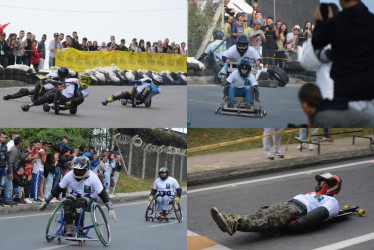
274, 42
29, 176
18, 49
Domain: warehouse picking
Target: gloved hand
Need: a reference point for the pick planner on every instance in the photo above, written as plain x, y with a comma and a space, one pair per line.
150, 198
176, 199
112, 215
43, 205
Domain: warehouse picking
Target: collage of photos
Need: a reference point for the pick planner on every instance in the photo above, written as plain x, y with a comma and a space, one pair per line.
187, 124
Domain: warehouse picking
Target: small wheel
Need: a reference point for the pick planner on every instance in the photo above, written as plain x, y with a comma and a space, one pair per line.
56, 102
58, 241
148, 103
167, 220
346, 207
80, 243
73, 110
178, 211
362, 212
46, 107
124, 101
133, 96
153, 219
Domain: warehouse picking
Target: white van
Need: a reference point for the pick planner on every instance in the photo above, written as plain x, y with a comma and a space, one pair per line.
240, 6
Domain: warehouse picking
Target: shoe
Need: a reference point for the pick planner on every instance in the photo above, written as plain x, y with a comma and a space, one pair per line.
312, 147
248, 106
301, 145
1, 202
21, 201
111, 196
70, 230
162, 215
38, 200
9, 203
25, 107
279, 154
105, 102
7, 97
28, 201
230, 105
228, 222
269, 156
214, 212
115, 195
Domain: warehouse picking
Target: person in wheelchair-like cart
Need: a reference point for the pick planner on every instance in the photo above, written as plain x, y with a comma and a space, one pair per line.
85, 186
163, 193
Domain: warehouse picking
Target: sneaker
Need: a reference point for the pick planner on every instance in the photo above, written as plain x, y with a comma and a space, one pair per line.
38, 200
111, 196
1, 202
28, 201
105, 102
25, 107
279, 154
214, 212
301, 145
9, 203
70, 230
162, 215
228, 222
21, 201
115, 195
269, 156
311, 147
7, 97
230, 105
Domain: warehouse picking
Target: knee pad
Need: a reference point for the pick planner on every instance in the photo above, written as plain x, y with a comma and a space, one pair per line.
256, 93
77, 100
147, 91
119, 95
68, 204
80, 204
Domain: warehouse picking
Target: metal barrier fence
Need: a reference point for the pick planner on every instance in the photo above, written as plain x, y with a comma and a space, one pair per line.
144, 160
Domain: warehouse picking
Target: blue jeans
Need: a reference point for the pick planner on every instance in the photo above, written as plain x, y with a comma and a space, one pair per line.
163, 202
8, 190
56, 180
35, 184
240, 92
48, 185
17, 191
3, 175
303, 134
107, 178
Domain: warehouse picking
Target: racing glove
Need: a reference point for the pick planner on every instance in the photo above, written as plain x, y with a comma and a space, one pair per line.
111, 212
45, 202
150, 198
176, 199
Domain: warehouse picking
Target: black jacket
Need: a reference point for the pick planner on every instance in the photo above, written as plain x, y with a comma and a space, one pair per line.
4, 159
4, 47
352, 39
19, 182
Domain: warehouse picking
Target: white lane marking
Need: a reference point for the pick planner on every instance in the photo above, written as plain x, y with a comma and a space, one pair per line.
164, 224
278, 177
348, 243
30, 215
54, 247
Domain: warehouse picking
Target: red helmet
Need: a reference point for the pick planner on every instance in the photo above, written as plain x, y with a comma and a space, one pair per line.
333, 181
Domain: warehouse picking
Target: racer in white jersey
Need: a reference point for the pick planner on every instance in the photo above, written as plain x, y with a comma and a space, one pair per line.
216, 49
148, 88
303, 211
74, 91
164, 188
84, 185
240, 84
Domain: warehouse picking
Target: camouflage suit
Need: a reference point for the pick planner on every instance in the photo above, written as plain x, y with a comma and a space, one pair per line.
273, 218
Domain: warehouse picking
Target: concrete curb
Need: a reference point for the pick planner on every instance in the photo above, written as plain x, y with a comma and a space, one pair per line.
273, 166
12, 83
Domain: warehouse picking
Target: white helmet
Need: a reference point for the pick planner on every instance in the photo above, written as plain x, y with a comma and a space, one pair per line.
80, 167
157, 79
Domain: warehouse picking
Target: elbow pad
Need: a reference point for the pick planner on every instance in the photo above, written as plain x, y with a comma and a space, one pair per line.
202, 57
179, 192
315, 217
55, 192
104, 197
224, 58
153, 192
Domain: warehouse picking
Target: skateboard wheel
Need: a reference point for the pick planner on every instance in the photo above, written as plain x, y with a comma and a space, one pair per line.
346, 207
362, 212
153, 219
58, 241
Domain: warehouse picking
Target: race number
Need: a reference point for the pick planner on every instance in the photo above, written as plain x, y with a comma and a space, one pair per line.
163, 193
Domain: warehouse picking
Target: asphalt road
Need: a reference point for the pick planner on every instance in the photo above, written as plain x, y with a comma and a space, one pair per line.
246, 197
168, 110
130, 232
281, 104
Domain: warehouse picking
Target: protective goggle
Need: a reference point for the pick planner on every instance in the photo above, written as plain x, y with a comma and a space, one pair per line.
328, 177
242, 45
85, 79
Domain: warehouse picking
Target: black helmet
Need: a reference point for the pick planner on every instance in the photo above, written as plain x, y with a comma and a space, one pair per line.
218, 34
244, 64
164, 170
63, 72
242, 44
80, 167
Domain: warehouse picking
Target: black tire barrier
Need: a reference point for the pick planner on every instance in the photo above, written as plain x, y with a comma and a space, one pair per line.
194, 66
295, 66
166, 80
278, 74
190, 72
2, 77
199, 73
268, 83
149, 74
263, 76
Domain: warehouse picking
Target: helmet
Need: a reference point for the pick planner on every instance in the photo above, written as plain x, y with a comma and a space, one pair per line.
80, 167
157, 79
242, 44
218, 34
164, 170
244, 64
85, 80
63, 72
333, 181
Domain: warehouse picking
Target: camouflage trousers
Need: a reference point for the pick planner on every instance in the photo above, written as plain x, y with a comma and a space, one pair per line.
273, 218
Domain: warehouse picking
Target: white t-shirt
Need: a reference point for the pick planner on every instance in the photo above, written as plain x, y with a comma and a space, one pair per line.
166, 187
10, 144
234, 55
218, 53
291, 45
313, 201
90, 187
68, 92
37, 163
239, 82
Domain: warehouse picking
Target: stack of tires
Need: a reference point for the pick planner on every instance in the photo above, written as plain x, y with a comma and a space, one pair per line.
274, 77
18, 72
196, 68
295, 70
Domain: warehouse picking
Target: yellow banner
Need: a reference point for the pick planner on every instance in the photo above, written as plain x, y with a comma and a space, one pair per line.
81, 60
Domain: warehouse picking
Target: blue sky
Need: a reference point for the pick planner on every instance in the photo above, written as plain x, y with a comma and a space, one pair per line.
368, 3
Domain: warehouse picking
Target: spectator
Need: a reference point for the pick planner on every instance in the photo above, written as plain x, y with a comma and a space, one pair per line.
324, 113
172, 48
349, 66
4, 163
21, 50
141, 46
50, 171
166, 46
278, 24
183, 51
276, 143
101, 168
115, 176
89, 45
94, 46
280, 54
103, 47
227, 30
258, 16
269, 47
122, 46
27, 46
35, 56
61, 37
12, 52
302, 37
109, 165
245, 22
68, 42
89, 152
53, 46
20, 180
4, 50
229, 11
148, 47
291, 40
303, 135
115, 151
37, 171
15, 157
45, 146
10, 143
256, 35
83, 46
74, 34
41, 49
75, 43
237, 28
112, 42
33, 38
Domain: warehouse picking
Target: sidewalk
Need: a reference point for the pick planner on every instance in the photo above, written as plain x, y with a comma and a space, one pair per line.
223, 166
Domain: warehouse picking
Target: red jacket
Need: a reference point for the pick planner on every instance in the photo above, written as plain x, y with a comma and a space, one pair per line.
35, 56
